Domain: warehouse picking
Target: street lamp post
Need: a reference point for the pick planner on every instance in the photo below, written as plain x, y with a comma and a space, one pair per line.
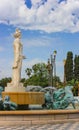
51, 75
54, 54
52, 68
49, 67
64, 61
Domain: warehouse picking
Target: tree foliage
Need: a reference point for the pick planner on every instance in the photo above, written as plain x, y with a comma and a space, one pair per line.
4, 81
39, 75
76, 68
28, 71
69, 66
72, 71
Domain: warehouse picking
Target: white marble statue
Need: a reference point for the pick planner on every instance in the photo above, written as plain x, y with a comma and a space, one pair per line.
16, 85
18, 57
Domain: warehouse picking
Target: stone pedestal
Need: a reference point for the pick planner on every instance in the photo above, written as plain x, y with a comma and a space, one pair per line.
14, 89
11, 88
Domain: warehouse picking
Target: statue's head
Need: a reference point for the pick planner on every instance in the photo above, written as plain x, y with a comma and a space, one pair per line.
17, 33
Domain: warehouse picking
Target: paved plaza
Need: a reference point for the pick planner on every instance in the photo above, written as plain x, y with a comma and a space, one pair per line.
64, 126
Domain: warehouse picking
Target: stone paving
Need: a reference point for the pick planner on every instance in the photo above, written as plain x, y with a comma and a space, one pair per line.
65, 126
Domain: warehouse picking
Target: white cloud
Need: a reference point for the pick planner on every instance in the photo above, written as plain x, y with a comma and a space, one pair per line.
38, 41
49, 16
34, 2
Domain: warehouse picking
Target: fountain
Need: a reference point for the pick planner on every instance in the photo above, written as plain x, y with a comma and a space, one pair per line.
15, 89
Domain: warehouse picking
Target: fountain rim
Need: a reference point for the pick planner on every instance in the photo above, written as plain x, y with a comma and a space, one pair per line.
38, 112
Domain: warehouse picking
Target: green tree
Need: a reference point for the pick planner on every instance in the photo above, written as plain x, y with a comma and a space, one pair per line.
75, 85
39, 75
23, 80
28, 71
57, 82
76, 68
4, 81
69, 66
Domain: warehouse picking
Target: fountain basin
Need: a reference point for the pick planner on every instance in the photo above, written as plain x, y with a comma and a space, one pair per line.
22, 98
38, 117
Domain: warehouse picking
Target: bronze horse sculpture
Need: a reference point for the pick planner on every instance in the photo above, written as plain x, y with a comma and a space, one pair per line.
59, 99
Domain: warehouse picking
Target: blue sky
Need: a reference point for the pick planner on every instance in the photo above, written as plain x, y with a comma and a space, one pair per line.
46, 25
